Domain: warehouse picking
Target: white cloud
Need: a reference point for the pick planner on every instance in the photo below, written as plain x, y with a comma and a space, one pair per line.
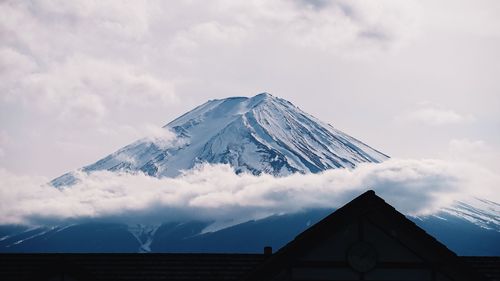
13, 63
162, 137
78, 59
416, 187
435, 116
355, 26
82, 86
341, 28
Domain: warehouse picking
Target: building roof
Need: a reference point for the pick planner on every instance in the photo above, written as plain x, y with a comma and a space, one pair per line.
185, 267
373, 209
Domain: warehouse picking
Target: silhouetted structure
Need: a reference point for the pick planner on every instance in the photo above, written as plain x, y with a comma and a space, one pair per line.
367, 239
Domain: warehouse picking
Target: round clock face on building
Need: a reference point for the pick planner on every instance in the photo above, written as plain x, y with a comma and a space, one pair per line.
362, 256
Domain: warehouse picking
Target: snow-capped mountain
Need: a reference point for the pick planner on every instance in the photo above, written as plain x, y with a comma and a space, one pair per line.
262, 134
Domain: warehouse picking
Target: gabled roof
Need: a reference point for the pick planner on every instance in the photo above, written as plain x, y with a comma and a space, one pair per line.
375, 210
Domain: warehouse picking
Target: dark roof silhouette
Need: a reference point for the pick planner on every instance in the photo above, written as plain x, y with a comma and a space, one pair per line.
186, 267
369, 207
175, 267
489, 267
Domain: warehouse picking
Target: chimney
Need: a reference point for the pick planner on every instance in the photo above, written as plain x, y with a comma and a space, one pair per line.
268, 250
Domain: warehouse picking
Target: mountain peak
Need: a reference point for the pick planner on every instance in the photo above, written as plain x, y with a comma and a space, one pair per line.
263, 95
259, 99
260, 134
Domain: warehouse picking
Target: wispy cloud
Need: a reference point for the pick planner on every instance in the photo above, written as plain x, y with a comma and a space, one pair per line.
436, 116
215, 193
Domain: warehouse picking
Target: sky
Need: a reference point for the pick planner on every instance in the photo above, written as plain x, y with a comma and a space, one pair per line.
80, 79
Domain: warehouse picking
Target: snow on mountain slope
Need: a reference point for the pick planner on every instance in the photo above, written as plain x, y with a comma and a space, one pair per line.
262, 134
144, 235
481, 212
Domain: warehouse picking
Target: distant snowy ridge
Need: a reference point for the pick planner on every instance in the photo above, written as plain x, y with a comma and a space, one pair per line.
262, 134
482, 212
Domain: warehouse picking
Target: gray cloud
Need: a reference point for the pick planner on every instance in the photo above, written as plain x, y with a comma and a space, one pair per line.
415, 187
83, 58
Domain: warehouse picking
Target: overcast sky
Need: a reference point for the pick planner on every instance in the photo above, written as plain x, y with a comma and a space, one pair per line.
414, 79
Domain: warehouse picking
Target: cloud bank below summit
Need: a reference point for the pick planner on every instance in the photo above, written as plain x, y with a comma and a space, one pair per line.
216, 193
